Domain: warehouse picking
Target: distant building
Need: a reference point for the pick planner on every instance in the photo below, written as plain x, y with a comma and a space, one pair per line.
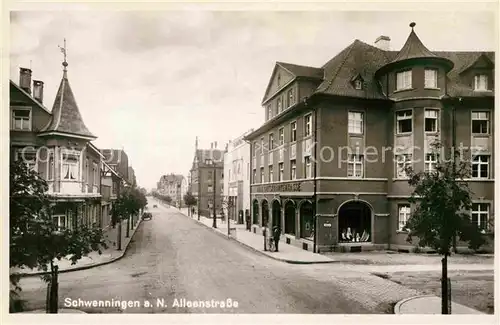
118, 160
131, 176
207, 179
237, 179
175, 186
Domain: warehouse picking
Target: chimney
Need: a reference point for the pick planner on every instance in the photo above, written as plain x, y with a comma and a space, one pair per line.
383, 43
38, 90
215, 145
25, 79
211, 145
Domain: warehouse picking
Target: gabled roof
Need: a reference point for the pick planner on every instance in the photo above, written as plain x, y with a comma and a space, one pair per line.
66, 117
302, 70
217, 155
31, 98
113, 156
172, 178
486, 57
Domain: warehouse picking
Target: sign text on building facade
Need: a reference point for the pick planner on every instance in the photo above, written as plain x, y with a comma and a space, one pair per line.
289, 187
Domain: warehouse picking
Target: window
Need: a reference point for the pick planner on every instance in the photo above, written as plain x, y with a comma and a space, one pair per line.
281, 135
291, 99
269, 112
355, 122
280, 106
430, 78
262, 144
255, 176
28, 156
307, 167
70, 164
431, 120
293, 169
480, 215
271, 173
430, 162
358, 84
481, 82
307, 125
480, 122
404, 120
95, 169
210, 188
50, 166
254, 148
403, 80
355, 166
279, 80
403, 215
293, 131
262, 174
60, 221
280, 175
209, 175
271, 141
480, 166
402, 162
21, 119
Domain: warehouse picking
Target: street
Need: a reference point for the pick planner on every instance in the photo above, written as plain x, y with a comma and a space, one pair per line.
172, 257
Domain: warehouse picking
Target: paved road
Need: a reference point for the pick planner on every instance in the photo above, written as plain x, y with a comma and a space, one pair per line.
172, 257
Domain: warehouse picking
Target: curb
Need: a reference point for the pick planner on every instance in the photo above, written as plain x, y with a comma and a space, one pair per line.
89, 266
257, 250
397, 307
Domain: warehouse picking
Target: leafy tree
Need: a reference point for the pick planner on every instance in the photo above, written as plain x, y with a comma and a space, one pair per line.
442, 201
35, 240
189, 199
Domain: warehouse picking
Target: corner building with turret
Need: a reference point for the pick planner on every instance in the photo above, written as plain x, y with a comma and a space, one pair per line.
337, 139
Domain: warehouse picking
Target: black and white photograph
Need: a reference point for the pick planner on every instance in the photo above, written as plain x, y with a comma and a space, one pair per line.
233, 160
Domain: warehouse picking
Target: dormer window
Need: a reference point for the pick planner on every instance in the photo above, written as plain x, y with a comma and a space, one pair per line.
481, 82
358, 84
403, 80
269, 112
280, 106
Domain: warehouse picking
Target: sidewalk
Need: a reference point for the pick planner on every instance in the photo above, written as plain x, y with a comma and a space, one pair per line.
93, 259
429, 305
287, 253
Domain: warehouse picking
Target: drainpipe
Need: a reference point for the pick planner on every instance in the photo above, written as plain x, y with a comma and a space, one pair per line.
315, 201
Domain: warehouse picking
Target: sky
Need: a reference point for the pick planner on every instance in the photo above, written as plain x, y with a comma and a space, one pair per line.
151, 81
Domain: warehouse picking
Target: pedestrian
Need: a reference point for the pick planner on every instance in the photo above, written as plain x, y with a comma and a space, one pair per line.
276, 237
192, 211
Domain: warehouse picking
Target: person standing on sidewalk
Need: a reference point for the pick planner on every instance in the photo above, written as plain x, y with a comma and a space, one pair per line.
276, 237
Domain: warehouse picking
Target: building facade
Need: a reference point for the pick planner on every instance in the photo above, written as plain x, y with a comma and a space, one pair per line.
237, 180
57, 145
175, 186
117, 159
207, 179
328, 163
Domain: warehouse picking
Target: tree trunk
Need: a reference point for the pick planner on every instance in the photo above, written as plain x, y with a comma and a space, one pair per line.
53, 290
128, 227
444, 286
119, 239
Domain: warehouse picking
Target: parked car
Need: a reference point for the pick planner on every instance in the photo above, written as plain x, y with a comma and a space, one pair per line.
147, 216
155, 206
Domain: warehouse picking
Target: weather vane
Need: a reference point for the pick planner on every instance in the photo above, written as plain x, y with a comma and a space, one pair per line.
63, 50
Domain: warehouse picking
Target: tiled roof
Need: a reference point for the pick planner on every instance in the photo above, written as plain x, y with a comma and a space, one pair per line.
66, 117
363, 59
358, 58
172, 178
302, 70
413, 48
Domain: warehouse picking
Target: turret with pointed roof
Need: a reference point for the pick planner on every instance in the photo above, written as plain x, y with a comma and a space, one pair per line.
66, 117
414, 50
